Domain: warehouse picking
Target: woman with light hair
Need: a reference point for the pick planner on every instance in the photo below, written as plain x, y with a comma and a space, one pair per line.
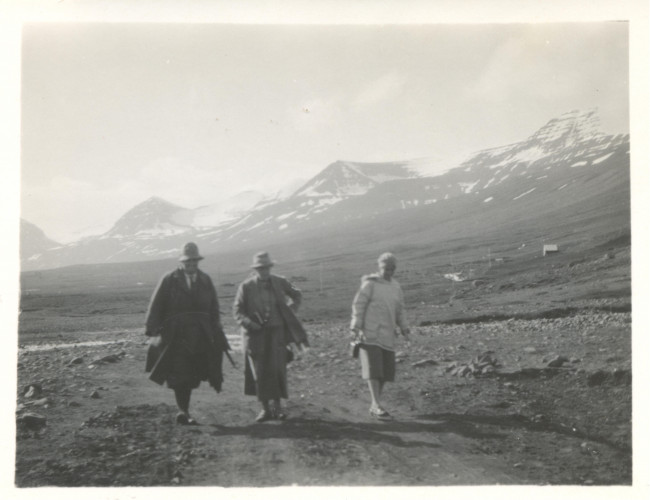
377, 315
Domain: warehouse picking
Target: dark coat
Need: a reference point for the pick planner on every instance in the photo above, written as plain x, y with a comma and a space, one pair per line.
247, 308
174, 308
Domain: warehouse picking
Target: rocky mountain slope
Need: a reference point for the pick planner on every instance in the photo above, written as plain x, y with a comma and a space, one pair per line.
562, 173
33, 241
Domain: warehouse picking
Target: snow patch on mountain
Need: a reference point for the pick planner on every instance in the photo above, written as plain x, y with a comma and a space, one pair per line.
227, 210
569, 129
523, 194
467, 187
435, 167
601, 159
284, 216
529, 154
343, 179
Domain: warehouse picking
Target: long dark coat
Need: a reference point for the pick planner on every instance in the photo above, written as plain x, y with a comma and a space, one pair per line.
173, 309
248, 305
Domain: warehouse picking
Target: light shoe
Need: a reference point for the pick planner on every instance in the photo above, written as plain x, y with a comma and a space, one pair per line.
263, 416
379, 413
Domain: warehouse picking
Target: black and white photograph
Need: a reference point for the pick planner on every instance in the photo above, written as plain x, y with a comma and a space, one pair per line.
360, 246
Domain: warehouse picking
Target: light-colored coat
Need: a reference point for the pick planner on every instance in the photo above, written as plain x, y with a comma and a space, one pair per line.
377, 311
265, 350
248, 305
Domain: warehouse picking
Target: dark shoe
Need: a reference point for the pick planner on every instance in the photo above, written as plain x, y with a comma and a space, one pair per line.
182, 418
263, 416
279, 415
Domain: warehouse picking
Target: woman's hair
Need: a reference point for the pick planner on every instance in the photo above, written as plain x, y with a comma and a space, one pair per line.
387, 257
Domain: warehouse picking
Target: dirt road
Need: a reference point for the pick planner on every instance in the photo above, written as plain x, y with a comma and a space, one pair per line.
108, 425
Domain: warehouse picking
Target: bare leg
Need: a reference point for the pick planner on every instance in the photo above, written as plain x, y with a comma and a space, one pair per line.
375, 391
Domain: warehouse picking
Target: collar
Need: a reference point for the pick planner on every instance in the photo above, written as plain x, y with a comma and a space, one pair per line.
263, 283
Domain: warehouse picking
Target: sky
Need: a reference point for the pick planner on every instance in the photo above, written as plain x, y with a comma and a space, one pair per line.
113, 114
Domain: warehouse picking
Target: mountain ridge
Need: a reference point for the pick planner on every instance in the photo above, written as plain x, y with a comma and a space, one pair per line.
566, 159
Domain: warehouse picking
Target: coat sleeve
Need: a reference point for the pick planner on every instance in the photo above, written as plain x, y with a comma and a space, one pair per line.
239, 308
293, 293
400, 316
156, 311
215, 318
360, 304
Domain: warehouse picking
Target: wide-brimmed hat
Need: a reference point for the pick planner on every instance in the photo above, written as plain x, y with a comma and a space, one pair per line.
190, 252
262, 259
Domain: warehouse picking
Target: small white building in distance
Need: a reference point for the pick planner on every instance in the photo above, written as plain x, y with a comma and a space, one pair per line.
549, 249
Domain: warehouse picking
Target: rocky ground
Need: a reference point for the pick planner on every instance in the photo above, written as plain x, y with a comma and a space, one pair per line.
543, 399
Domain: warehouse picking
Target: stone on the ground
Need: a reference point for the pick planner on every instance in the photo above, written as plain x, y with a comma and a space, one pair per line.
111, 358
31, 421
76, 361
597, 378
424, 362
557, 361
33, 391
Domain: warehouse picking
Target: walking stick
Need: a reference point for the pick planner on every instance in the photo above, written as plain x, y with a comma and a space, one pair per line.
232, 361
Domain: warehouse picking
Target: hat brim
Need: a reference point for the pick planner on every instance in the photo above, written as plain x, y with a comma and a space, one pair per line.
260, 266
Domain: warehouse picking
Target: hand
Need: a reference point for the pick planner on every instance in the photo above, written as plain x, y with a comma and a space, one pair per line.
155, 341
253, 326
304, 349
406, 333
295, 351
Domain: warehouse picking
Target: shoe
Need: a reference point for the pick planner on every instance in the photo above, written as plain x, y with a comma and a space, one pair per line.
263, 416
276, 412
380, 413
185, 419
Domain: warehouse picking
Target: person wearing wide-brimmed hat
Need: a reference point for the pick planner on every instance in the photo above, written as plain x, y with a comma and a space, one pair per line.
377, 315
189, 341
265, 307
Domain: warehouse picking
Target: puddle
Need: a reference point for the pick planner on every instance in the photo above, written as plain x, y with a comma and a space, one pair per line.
234, 340
50, 347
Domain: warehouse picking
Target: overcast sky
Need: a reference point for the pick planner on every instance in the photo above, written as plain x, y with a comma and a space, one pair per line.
115, 113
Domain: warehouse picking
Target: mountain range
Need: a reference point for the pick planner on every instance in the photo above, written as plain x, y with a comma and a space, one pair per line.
566, 172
